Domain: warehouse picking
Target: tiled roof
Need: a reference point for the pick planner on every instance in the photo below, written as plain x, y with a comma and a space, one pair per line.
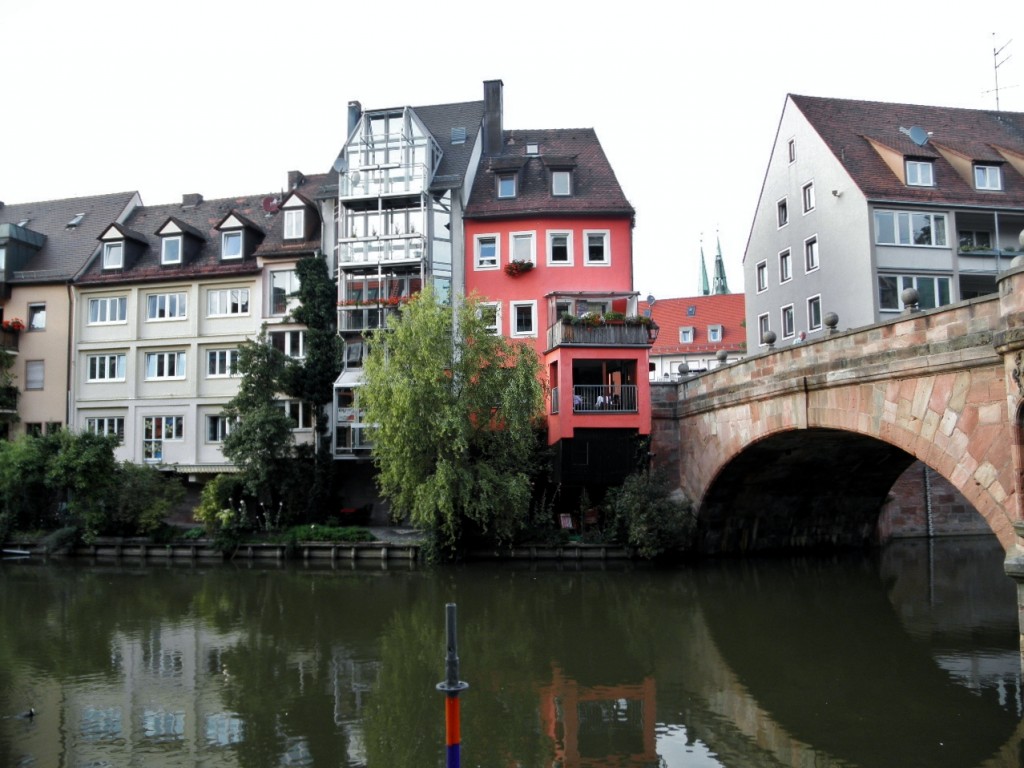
672, 314
204, 218
595, 190
439, 119
849, 127
66, 249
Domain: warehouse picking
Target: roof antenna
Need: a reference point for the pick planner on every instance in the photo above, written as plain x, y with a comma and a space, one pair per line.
996, 64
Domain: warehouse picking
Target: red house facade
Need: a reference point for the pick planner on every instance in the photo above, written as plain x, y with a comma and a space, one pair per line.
549, 252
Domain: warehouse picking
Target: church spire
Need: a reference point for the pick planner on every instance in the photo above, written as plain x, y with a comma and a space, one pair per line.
703, 289
721, 284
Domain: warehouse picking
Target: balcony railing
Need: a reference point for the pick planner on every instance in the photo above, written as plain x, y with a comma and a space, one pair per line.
384, 179
599, 398
599, 335
390, 248
364, 317
9, 340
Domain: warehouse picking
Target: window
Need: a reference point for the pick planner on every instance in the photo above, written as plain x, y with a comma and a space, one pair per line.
762, 276
782, 208
227, 301
294, 224
218, 426
165, 365
714, 333
231, 245
290, 343
811, 254
906, 228
988, 177
763, 326
487, 254
284, 291
157, 429
792, 150
34, 374
490, 314
561, 183
107, 310
106, 425
300, 413
34, 429
814, 313
920, 173
37, 317
933, 291
522, 246
970, 239
785, 266
221, 362
686, 334
560, 248
165, 306
113, 255
106, 367
808, 197
170, 250
788, 322
532, 148
597, 248
506, 185
524, 318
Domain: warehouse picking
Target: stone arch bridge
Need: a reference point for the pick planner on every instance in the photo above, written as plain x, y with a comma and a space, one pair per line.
799, 446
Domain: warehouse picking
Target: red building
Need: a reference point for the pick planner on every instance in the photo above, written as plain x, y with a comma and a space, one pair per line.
549, 249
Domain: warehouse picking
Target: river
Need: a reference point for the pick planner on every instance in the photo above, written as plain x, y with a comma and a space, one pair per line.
905, 657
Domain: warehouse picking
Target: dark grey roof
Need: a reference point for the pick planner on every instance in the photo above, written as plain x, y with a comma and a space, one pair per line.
439, 120
66, 249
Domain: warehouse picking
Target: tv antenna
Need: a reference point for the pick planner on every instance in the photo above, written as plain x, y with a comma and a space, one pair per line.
996, 64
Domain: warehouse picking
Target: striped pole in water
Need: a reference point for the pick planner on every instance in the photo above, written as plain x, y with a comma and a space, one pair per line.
451, 688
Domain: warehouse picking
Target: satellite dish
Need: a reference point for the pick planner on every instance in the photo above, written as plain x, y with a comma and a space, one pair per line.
917, 134
650, 298
271, 204
355, 178
339, 164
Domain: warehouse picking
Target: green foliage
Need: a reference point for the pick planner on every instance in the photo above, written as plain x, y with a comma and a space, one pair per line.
145, 497
27, 500
340, 534
455, 412
85, 469
643, 514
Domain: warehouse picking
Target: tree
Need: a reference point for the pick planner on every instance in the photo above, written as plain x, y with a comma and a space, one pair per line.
260, 440
455, 413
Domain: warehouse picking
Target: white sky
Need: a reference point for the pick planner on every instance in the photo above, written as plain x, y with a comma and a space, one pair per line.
224, 97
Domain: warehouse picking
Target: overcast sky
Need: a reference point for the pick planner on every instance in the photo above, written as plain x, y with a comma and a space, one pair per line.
223, 97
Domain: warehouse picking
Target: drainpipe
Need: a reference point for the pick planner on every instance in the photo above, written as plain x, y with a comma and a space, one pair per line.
929, 523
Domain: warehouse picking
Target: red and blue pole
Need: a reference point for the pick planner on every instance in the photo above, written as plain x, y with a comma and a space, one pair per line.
451, 688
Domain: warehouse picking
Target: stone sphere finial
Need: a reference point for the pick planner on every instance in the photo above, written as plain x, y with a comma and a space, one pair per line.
722, 355
831, 320
769, 338
910, 298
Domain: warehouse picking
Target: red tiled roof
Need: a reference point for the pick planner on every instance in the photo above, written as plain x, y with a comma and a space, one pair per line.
698, 312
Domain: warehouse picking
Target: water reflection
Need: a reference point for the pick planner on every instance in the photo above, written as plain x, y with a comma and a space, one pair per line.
908, 658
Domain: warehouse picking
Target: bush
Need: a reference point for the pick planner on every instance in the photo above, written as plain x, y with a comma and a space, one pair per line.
643, 514
145, 496
340, 534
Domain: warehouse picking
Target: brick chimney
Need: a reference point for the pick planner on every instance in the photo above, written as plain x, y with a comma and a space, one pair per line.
191, 200
355, 112
493, 131
295, 179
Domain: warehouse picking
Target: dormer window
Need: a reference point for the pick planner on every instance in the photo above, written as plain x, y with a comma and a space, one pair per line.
170, 250
113, 255
294, 224
686, 334
532, 148
506, 185
988, 177
561, 183
714, 333
920, 173
231, 245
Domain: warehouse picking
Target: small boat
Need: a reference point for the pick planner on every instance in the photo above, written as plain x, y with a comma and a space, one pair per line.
16, 553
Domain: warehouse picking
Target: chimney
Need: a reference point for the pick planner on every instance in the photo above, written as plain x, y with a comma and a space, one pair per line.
493, 132
295, 179
192, 200
355, 112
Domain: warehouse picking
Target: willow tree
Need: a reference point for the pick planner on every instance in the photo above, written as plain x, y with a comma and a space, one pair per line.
455, 409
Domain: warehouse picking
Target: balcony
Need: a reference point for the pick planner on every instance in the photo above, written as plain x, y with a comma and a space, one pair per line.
364, 317
8, 399
9, 340
606, 335
373, 180
382, 250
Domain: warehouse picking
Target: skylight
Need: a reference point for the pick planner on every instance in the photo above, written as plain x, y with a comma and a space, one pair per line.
76, 221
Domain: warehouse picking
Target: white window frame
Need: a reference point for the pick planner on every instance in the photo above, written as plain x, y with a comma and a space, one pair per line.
221, 363
159, 365
218, 426
761, 276
225, 238
715, 333
113, 255
37, 316
988, 177
35, 375
227, 302
152, 447
812, 256
478, 259
792, 150
285, 347
161, 307
785, 266
781, 213
764, 324
903, 228
686, 334
107, 367
106, 425
920, 173
904, 281
606, 247
567, 234
291, 299
108, 310
503, 192
787, 317
163, 249
814, 313
513, 331
303, 414
513, 238
294, 223
494, 328
807, 196
561, 183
